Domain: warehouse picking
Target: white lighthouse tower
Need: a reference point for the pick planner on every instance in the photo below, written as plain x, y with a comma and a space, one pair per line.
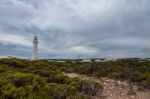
35, 48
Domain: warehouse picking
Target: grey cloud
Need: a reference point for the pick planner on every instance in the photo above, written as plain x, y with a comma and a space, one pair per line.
95, 28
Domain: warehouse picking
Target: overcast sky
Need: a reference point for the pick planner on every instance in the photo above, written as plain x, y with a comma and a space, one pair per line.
75, 28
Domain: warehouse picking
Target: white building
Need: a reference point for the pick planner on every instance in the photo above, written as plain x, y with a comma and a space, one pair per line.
35, 48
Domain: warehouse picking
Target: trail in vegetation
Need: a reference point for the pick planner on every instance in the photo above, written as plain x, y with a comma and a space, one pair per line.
113, 89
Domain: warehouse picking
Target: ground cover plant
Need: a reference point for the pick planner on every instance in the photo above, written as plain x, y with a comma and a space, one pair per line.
22, 79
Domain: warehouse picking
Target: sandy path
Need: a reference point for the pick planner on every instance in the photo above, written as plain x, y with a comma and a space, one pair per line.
115, 89
122, 90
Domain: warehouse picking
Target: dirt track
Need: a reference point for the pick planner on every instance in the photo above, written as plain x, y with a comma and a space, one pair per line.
115, 89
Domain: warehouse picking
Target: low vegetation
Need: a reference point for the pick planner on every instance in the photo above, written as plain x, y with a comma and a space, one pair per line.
20, 79
137, 72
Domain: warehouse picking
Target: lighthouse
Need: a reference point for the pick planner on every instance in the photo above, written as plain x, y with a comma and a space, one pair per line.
35, 48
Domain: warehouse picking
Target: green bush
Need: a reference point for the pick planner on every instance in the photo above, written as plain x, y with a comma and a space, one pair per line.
21, 79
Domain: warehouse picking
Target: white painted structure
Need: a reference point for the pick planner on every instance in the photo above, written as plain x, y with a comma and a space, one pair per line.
35, 48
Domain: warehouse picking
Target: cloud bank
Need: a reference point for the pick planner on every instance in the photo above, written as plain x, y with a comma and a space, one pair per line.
73, 28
